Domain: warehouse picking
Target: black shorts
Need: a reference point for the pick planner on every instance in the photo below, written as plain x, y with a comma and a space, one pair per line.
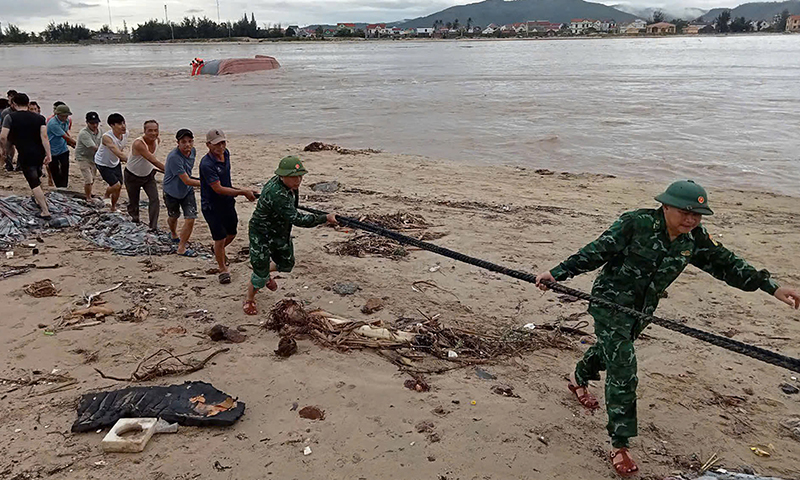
111, 175
174, 206
32, 173
222, 222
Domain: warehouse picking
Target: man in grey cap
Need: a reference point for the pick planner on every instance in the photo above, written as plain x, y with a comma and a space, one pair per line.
60, 141
217, 197
89, 140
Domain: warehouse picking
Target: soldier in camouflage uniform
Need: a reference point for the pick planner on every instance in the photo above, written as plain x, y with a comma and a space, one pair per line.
276, 212
642, 253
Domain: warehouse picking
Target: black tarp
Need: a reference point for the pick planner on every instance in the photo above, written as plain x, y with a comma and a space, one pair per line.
172, 403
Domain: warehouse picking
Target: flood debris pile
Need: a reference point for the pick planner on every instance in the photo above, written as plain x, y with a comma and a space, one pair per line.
19, 216
19, 219
412, 339
123, 237
322, 147
362, 245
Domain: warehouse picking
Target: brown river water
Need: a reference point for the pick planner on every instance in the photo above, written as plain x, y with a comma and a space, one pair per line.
722, 110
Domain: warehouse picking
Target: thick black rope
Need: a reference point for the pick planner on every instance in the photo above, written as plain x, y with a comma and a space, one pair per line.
752, 351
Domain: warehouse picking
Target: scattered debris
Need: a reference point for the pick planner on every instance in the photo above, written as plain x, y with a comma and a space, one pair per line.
41, 289
89, 299
287, 346
163, 364
434, 437
211, 409
179, 330
417, 384
173, 404
201, 315
793, 425
289, 318
762, 450
163, 426
504, 390
129, 435
326, 187
397, 221
221, 332
319, 147
220, 467
19, 215
123, 237
307, 451
312, 413
345, 288
14, 271
440, 411
150, 266
424, 427
373, 305
136, 314
481, 373
789, 389
367, 244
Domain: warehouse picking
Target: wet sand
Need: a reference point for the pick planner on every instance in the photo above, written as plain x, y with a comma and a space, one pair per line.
694, 399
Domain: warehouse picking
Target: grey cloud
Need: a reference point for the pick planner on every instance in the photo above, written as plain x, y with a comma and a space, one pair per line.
80, 4
195, 10
15, 9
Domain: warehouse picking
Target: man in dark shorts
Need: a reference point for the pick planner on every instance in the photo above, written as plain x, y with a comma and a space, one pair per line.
217, 198
109, 155
179, 190
8, 157
60, 141
271, 247
28, 133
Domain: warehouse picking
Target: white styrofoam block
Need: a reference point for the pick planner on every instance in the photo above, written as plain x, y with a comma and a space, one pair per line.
138, 430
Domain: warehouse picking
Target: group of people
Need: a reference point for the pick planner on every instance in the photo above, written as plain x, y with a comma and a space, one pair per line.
641, 254
41, 144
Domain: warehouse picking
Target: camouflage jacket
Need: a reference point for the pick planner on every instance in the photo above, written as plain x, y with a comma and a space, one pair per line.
276, 212
639, 261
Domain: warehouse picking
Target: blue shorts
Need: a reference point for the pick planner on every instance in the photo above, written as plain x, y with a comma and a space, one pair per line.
222, 222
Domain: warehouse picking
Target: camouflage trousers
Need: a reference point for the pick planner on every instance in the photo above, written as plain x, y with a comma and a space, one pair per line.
614, 353
262, 250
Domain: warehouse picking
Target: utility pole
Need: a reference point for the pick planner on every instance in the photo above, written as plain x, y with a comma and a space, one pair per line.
166, 17
218, 11
109, 15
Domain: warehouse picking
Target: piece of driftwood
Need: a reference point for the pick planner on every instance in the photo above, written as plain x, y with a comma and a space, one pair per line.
163, 363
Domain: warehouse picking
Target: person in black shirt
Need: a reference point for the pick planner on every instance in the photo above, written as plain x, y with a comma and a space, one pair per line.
27, 132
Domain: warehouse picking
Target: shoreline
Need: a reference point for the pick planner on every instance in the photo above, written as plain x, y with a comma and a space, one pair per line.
242, 41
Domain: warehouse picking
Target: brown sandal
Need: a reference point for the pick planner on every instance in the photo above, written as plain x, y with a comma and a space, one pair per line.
272, 284
625, 468
249, 307
587, 399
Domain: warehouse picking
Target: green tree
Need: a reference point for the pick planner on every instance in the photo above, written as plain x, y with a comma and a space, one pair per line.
320, 32
658, 16
14, 34
781, 26
65, 33
680, 24
290, 32
723, 21
740, 24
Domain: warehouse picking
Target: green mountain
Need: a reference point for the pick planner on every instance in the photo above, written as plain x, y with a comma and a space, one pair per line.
756, 10
502, 12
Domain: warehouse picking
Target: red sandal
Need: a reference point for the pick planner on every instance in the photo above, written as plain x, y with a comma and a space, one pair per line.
249, 307
625, 468
272, 284
587, 399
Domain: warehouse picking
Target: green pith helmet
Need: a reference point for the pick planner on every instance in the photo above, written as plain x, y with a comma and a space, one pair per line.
686, 195
291, 167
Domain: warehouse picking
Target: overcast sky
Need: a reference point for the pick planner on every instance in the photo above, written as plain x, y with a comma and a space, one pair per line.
36, 14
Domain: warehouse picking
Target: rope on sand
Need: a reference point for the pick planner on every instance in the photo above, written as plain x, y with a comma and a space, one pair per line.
741, 348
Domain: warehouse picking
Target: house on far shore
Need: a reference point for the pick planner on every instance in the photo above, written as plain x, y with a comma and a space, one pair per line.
661, 28
424, 32
635, 28
697, 29
346, 27
793, 23
490, 29
111, 37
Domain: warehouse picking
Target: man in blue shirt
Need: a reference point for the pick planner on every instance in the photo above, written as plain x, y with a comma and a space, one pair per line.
217, 200
58, 134
179, 190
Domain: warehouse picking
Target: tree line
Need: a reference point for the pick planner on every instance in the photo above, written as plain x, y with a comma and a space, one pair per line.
151, 31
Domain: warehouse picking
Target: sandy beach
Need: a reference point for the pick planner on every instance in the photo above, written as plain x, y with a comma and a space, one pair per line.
695, 400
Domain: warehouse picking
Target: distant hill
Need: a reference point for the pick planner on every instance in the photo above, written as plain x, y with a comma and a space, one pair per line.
502, 12
671, 13
756, 10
